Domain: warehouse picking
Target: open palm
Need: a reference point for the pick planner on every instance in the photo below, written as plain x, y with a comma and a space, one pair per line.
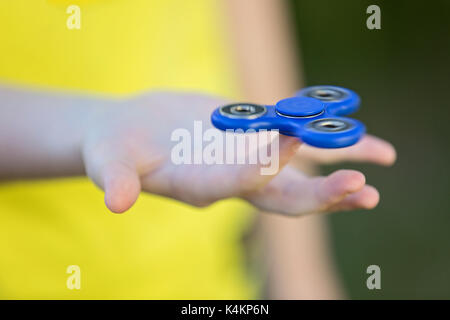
128, 150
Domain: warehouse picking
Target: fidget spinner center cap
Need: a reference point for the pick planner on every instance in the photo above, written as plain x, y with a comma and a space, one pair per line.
300, 107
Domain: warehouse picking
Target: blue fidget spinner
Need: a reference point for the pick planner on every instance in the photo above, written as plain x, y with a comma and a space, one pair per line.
314, 115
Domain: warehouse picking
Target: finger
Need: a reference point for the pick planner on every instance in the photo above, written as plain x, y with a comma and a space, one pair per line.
337, 186
368, 149
115, 173
293, 193
121, 184
366, 198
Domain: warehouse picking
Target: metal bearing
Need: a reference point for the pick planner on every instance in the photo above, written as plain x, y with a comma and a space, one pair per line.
243, 110
326, 93
329, 125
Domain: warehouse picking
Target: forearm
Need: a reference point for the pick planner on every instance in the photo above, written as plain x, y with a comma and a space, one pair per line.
265, 53
296, 249
299, 262
41, 132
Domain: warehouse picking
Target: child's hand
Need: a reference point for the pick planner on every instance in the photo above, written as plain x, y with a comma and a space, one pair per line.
342, 190
127, 149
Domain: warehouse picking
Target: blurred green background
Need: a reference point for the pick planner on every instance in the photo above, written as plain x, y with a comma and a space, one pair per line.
402, 73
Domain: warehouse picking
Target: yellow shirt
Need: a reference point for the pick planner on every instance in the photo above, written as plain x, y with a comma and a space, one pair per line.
160, 248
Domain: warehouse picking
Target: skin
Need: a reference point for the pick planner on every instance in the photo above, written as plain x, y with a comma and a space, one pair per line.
295, 251
123, 146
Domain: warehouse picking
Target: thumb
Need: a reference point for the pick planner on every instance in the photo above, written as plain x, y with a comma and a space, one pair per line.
116, 175
121, 185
